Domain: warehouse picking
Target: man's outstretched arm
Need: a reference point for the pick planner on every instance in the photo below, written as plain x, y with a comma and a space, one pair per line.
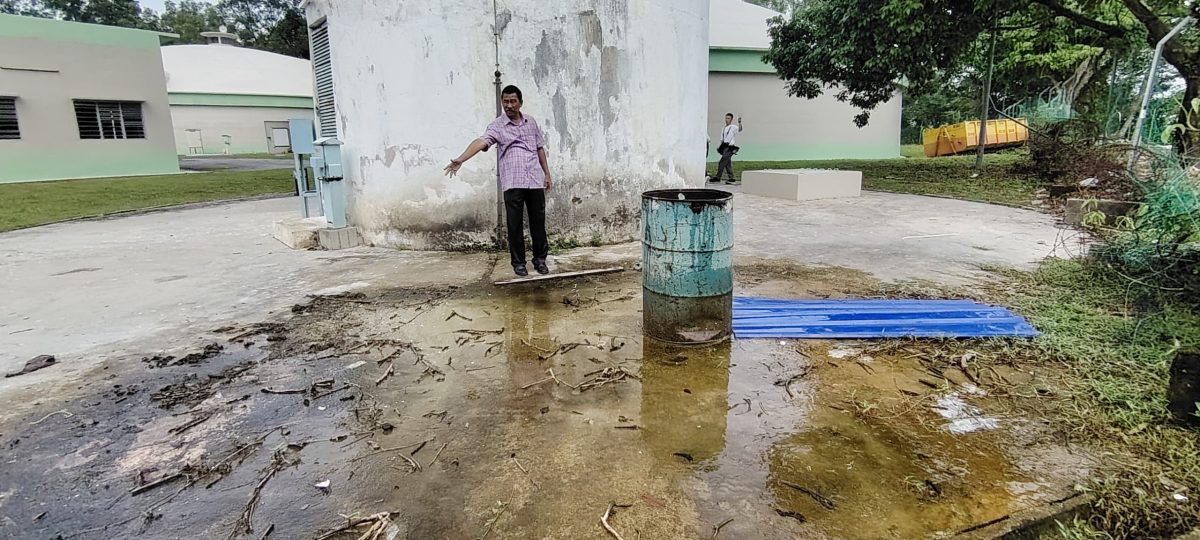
476, 146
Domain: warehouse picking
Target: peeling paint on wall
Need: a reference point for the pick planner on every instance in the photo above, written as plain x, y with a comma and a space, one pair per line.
620, 89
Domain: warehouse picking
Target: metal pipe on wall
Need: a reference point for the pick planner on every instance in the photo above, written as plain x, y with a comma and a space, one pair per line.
1152, 76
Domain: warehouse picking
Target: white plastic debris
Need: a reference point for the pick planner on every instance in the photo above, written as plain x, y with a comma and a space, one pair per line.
1179, 497
323, 485
357, 364
1089, 182
843, 352
964, 417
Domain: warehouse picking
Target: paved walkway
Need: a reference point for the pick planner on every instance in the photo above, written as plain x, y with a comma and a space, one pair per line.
84, 290
233, 164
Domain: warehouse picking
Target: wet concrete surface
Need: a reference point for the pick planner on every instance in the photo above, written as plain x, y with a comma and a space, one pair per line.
523, 412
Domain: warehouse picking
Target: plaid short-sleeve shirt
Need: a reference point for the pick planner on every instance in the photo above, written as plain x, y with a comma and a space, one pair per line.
518, 142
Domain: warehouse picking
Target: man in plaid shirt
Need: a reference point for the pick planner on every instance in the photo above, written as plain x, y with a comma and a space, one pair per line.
524, 177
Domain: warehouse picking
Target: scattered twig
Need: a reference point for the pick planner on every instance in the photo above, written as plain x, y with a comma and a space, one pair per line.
386, 450
532, 346
497, 346
790, 514
331, 392
63, 411
494, 520
379, 524
244, 522
273, 391
537, 383
560, 381
470, 370
607, 514
270, 529
821, 499
388, 373
717, 528
147, 487
438, 454
412, 464
454, 314
39, 516
419, 447
178, 430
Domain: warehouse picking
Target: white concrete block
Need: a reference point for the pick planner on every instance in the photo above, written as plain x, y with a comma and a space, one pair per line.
343, 238
803, 184
298, 233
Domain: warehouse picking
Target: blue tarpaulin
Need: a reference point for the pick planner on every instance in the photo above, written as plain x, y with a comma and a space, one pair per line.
865, 319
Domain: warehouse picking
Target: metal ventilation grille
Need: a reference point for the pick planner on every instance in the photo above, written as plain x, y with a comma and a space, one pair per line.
323, 79
9, 128
109, 119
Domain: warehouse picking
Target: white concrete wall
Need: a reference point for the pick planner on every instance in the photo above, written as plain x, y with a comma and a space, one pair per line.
620, 89
244, 124
780, 127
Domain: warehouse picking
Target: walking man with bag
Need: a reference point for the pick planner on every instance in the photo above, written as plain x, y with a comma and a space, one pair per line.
728, 148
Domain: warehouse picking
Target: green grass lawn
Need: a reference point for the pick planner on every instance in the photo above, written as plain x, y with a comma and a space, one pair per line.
943, 176
252, 155
37, 203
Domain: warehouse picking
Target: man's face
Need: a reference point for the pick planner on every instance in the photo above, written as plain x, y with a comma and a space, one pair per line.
512, 105
728, 119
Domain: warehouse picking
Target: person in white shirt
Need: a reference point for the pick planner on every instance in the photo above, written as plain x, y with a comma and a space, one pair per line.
728, 148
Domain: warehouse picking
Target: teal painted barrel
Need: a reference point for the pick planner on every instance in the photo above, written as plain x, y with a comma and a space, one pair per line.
687, 265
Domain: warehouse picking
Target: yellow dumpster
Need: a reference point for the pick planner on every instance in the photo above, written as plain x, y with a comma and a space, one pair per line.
964, 136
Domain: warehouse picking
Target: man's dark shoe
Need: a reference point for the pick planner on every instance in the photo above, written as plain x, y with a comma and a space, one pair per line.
520, 270
541, 267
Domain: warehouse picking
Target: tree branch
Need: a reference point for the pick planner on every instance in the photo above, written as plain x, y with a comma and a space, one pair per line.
1157, 28
1057, 8
1174, 50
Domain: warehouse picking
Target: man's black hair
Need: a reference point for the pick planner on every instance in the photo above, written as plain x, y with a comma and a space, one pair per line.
511, 89
729, 114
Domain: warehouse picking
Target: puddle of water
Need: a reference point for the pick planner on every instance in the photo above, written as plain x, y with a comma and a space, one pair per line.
544, 405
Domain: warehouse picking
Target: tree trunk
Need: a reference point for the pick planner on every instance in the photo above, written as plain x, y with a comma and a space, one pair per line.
1188, 142
1183, 390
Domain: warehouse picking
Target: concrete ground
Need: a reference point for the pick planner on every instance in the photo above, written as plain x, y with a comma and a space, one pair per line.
201, 394
92, 288
232, 164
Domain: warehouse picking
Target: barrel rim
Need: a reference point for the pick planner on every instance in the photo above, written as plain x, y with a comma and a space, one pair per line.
691, 195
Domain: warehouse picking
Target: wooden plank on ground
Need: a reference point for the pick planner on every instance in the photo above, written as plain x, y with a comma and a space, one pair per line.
564, 275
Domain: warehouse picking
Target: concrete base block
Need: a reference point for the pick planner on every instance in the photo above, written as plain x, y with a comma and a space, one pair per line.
345, 237
803, 184
1078, 209
298, 233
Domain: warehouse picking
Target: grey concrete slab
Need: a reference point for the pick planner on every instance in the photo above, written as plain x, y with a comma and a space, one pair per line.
87, 289
81, 290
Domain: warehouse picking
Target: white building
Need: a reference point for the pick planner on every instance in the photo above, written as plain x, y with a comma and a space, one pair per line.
229, 99
619, 88
80, 101
777, 126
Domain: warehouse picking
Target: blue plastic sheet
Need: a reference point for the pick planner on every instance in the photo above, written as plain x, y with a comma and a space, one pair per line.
866, 319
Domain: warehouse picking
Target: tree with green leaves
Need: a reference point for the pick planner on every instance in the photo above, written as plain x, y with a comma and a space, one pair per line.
189, 18
869, 49
273, 25
126, 13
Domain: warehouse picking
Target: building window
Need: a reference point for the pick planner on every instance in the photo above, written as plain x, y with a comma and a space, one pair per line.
109, 119
323, 79
9, 129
